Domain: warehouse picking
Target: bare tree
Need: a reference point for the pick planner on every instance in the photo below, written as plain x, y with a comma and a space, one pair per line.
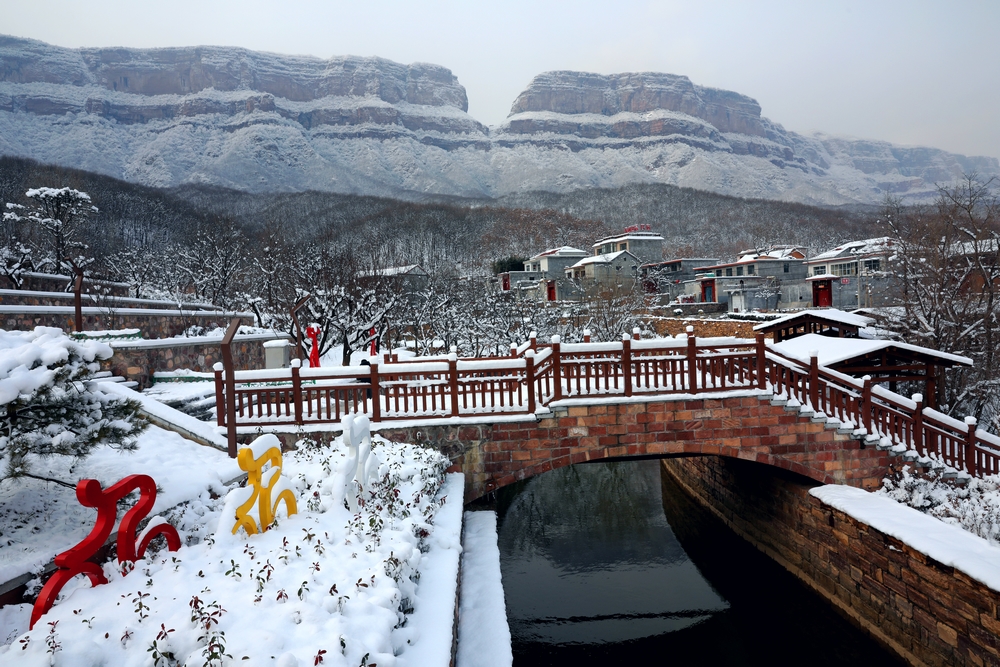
946, 268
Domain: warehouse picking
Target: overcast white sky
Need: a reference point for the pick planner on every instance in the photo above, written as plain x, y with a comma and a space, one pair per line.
915, 72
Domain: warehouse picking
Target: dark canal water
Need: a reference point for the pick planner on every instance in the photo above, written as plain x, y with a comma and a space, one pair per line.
604, 564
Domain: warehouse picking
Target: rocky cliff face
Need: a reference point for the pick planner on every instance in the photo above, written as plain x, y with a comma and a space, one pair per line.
267, 122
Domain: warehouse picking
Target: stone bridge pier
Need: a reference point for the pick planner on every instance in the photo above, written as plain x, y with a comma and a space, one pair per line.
750, 426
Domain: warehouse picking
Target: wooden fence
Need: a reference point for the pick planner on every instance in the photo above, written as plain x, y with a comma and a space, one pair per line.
536, 375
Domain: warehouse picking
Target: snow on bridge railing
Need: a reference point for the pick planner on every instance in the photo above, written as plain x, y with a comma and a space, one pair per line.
884, 416
453, 387
539, 375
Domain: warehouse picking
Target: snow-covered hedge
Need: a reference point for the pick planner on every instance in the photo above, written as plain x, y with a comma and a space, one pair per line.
47, 405
320, 587
974, 506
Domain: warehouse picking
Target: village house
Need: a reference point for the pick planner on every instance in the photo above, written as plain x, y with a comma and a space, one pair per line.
760, 279
668, 278
639, 240
606, 269
544, 275
852, 275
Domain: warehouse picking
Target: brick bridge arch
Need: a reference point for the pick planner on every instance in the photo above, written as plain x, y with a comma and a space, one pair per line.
495, 453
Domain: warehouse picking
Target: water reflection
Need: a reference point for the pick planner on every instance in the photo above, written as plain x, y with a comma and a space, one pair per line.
594, 573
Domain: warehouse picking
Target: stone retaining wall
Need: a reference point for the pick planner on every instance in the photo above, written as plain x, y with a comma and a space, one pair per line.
139, 363
704, 328
151, 324
929, 613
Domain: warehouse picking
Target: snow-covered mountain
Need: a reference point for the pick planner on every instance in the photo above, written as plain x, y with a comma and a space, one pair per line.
266, 122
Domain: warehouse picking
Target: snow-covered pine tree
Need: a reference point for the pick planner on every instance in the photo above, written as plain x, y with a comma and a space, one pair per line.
50, 407
59, 214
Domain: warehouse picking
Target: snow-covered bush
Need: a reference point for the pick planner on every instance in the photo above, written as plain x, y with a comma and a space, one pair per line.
974, 506
48, 405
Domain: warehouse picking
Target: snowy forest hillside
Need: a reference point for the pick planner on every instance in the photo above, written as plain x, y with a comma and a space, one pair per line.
463, 236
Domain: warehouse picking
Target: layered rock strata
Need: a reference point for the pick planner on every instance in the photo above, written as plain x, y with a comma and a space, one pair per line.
266, 122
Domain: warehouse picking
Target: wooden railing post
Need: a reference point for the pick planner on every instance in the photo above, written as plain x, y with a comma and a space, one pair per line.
814, 379
296, 365
376, 400
220, 395
226, 349
556, 369
636, 333
761, 362
586, 335
513, 350
970, 446
78, 298
529, 376
918, 424
866, 405
533, 341
453, 382
627, 364
692, 361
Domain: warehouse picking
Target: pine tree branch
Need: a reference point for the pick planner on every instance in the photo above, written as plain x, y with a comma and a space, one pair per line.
48, 479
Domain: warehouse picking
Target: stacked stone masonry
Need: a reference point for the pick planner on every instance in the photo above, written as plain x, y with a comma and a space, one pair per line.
139, 363
704, 328
927, 612
150, 325
748, 427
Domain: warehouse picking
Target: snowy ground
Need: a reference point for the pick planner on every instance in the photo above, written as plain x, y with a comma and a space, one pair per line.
483, 632
40, 519
322, 587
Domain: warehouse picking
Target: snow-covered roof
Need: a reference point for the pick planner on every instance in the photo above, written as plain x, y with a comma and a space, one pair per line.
774, 254
603, 259
563, 251
824, 276
635, 236
408, 270
876, 246
833, 350
832, 314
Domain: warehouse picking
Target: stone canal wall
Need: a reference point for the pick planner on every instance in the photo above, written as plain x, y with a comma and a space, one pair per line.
927, 612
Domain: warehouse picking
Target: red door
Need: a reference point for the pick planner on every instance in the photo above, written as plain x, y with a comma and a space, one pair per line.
505, 282
822, 294
708, 291
551, 290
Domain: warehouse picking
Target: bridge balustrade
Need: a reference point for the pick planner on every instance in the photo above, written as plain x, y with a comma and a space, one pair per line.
536, 375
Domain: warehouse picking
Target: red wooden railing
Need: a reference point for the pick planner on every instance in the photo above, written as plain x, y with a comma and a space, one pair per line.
535, 375
879, 414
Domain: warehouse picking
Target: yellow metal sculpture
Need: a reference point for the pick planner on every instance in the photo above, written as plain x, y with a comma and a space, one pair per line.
262, 483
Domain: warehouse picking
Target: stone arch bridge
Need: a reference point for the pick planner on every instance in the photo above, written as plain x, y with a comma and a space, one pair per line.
750, 427
502, 419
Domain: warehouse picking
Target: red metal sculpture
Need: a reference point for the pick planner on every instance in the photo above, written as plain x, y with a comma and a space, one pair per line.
313, 332
75, 561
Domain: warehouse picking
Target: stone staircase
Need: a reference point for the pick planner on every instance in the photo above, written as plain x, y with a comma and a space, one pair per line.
900, 454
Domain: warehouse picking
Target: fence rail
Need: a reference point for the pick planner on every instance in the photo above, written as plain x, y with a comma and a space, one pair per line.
535, 375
